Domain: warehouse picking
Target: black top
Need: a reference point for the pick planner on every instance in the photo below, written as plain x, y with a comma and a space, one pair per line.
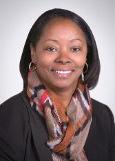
23, 133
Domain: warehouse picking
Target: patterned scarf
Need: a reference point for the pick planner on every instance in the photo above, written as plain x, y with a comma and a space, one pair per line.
68, 127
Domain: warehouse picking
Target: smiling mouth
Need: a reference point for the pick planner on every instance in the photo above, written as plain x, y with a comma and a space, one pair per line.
62, 73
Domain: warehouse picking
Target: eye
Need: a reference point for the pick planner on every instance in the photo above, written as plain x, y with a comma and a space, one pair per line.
51, 49
75, 49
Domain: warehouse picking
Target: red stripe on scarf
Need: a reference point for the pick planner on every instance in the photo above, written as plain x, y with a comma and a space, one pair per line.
43, 99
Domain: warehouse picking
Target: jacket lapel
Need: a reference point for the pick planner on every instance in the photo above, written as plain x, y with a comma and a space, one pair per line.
39, 134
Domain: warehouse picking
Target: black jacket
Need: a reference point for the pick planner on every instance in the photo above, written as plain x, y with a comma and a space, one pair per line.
23, 133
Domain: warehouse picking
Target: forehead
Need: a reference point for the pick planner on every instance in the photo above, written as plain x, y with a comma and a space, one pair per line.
60, 21
62, 25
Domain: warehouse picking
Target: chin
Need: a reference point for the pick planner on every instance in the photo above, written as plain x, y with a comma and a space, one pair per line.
65, 86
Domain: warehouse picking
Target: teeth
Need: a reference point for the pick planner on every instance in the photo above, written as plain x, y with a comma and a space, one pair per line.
63, 72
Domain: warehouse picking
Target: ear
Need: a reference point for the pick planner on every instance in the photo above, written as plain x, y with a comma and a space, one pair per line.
33, 53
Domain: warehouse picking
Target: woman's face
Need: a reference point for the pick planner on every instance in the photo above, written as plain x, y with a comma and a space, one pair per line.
60, 54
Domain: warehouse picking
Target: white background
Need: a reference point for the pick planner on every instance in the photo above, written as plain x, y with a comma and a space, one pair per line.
16, 19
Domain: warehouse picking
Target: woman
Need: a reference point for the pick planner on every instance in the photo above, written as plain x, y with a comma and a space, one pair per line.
54, 117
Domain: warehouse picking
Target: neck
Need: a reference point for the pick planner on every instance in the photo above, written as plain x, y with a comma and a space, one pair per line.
64, 96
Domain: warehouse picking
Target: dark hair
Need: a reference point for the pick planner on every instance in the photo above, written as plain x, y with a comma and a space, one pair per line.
92, 74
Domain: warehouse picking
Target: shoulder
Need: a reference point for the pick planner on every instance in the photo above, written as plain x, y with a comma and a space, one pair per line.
12, 100
101, 110
13, 106
102, 117
13, 112
103, 128
14, 126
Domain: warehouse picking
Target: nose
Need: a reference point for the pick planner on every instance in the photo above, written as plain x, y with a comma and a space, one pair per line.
63, 58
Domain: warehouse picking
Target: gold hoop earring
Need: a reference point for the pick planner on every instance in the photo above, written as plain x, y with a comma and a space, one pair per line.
82, 77
84, 72
32, 66
85, 68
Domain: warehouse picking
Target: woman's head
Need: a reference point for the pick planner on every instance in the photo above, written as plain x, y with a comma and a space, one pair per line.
37, 30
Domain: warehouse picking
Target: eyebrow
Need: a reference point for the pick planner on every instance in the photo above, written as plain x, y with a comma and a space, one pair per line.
51, 40
76, 39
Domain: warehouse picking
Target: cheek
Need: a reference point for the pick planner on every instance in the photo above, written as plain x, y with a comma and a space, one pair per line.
80, 62
43, 63
41, 70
